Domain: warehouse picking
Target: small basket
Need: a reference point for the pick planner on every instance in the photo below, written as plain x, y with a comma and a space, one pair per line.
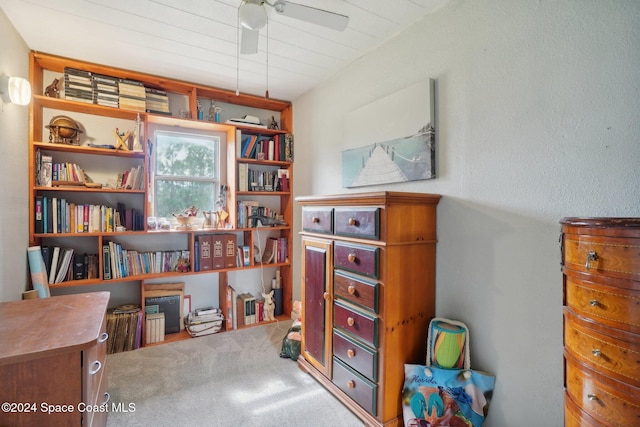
186, 221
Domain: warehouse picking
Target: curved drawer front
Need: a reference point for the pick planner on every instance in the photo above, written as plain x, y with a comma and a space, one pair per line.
613, 307
602, 352
360, 222
357, 387
318, 220
615, 257
360, 292
359, 357
616, 403
360, 325
359, 259
575, 417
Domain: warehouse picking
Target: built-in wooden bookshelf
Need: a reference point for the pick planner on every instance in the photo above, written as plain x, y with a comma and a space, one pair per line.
98, 122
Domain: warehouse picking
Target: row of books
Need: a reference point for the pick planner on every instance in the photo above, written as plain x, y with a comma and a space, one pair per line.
124, 329
118, 262
65, 264
278, 147
92, 88
243, 309
250, 212
67, 172
217, 251
57, 215
44, 169
253, 179
131, 179
276, 250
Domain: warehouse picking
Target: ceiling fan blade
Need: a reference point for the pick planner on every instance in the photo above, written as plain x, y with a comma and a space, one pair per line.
249, 41
310, 14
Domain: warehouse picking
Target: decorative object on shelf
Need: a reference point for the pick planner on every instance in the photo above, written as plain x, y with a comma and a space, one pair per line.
269, 306
403, 151
122, 139
64, 130
273, 124
210, 219
187, 218
138, 136
52, 90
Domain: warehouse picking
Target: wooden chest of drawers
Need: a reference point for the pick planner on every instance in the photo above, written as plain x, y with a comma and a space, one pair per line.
601, 289
53, 361
368, 289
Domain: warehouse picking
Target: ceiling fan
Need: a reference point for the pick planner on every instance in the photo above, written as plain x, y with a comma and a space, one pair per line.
252, 17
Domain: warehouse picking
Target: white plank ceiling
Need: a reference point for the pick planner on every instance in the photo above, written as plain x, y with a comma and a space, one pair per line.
196, 40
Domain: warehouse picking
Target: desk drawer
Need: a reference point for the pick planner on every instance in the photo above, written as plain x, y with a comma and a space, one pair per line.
359, 357
360, 292
357, 387
317, 220
360, 325
359, 259
360, 222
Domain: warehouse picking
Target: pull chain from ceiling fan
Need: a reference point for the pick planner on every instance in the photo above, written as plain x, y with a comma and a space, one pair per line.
266, 94
238, 54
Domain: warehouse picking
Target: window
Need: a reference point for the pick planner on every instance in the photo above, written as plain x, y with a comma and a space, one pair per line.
186, 172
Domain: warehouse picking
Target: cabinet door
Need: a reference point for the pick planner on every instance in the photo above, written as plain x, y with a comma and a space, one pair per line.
317, 304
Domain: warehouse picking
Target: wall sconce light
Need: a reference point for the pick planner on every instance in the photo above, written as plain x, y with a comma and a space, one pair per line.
15, 90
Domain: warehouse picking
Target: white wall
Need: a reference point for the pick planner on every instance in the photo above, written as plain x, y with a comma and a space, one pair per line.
14, 151
537, 119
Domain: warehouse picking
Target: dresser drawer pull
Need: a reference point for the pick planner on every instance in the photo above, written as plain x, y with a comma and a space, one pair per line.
352, 221
315, 220
351, 257
326, 296
107, 398
97, 365
351, 353
592, 397
350, 321
103, 337
351, 384
596, 352
591, 256
594, 303
351, 289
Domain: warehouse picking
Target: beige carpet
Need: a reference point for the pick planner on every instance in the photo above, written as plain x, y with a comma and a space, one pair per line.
227, 379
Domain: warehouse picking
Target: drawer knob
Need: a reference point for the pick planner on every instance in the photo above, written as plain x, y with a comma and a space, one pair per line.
103, 337
351, 384
351, 257
95, 368
351, 289
594, 303
591, 256
315, 220
352, 221
596, 352
351, 321
592, 397
326, 296
351, 353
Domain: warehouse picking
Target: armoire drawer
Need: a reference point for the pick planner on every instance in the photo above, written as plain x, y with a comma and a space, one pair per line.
359, 259
358, 356
357, 222
357, 323
602, 397
615, 307
576, 417
317, 220
357, 387
612, 352
363, 293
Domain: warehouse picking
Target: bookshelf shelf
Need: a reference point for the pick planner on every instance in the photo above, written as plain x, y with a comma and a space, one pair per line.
101, 164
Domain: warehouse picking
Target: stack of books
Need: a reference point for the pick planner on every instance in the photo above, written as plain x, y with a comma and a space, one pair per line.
131, 95
204, 321
157, 101
105, 90
78, 85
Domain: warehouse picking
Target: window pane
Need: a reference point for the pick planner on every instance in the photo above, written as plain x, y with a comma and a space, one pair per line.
175, 196
185, 155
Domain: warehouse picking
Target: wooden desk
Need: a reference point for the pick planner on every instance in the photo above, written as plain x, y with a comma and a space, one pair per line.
52, 361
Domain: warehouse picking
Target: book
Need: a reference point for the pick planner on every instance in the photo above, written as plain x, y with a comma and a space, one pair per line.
39, 219
106, 261
240, 314
230, 250
170, 305
54, 264
205, 259
65, 262
246, 255
218, 256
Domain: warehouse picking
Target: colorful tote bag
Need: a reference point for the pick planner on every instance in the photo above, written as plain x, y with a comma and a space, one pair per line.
437, 396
